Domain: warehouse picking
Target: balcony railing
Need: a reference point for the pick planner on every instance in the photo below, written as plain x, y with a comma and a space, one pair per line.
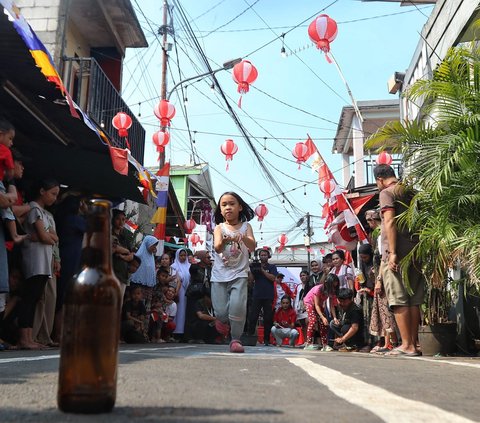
93, 91
369, 165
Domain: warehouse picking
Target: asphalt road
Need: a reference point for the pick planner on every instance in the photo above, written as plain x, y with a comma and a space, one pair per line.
204, 383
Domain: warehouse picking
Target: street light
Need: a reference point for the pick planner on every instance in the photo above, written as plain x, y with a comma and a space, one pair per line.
229, 64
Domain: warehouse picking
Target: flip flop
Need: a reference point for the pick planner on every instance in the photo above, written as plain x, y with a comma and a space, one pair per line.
383, 350
397, 352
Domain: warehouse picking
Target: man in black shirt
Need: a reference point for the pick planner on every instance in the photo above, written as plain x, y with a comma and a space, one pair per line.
350, 329
262, 274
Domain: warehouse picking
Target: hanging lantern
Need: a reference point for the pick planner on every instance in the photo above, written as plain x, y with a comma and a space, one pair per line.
327, 187
261, 211
322, 31
384, 158
282, 239
161, 139
300, 152
189, 225
165, 111
195, 239
244, 74
229, 148
122, 122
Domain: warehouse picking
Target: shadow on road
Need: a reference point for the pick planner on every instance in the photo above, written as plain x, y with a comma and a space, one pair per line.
147, 414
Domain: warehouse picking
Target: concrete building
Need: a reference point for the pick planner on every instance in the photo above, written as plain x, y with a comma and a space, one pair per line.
87, 40
352, 132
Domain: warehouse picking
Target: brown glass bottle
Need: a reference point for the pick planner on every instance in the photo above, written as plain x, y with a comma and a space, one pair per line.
91, 323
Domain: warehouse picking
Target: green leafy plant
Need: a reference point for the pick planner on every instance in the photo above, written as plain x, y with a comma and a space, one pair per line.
441, 154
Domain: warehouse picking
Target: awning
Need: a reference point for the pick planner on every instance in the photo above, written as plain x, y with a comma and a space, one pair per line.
59, 144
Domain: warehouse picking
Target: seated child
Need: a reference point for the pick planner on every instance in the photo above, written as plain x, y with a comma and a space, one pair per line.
157, 313
170, 310
284, 322
134, 318
163, 277
203, 326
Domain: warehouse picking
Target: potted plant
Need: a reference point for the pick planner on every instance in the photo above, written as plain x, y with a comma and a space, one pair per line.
438, 330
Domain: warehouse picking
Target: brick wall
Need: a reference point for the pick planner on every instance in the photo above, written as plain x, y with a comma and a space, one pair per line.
44, 17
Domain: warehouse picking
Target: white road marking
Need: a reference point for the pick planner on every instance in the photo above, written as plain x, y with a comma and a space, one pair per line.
453, 363
18, 359
392, 408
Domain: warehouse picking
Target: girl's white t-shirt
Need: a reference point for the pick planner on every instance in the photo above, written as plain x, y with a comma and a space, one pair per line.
232, 262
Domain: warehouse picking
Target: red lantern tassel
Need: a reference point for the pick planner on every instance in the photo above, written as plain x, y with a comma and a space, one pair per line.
240, 102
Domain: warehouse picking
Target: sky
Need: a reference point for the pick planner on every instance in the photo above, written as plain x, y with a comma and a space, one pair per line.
293, 96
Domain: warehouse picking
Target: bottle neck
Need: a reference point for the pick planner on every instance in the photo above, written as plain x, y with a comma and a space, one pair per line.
97, 246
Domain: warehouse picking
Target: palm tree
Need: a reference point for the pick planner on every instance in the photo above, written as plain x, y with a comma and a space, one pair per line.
441, 154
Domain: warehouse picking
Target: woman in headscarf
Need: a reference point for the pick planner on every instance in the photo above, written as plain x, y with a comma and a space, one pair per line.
182, 267
146, 276
342, 270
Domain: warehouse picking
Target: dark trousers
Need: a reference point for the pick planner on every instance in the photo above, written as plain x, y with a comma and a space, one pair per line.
202, 329
31, 292
267, 306
341, 330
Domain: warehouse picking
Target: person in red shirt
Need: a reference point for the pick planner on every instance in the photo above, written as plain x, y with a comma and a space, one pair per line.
284, 322
280, 289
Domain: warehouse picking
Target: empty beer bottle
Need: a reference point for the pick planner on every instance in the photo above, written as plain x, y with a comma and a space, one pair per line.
91, 323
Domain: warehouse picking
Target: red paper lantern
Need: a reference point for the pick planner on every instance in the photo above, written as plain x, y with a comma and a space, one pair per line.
244, 74
189, 225
261, 211
165, 111
384, 158
282, 239
229, 148
300, 152
194, 239
161, 139
322, 31
327, 187
122, 122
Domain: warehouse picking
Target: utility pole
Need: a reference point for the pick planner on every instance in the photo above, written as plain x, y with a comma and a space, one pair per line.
163, 30
308, 244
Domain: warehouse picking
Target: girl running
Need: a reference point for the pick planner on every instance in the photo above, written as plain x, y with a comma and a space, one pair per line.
233, 239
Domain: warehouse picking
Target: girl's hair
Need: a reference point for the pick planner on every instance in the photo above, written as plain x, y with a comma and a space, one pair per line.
5, 125
339, 253
331, 284
45, 184
304, 272
245, 215
286, 297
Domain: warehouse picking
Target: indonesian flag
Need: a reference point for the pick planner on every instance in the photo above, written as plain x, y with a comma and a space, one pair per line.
311, 148
339, 213
132, 227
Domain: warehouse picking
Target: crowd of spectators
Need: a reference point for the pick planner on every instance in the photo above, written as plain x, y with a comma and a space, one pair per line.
166, 298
